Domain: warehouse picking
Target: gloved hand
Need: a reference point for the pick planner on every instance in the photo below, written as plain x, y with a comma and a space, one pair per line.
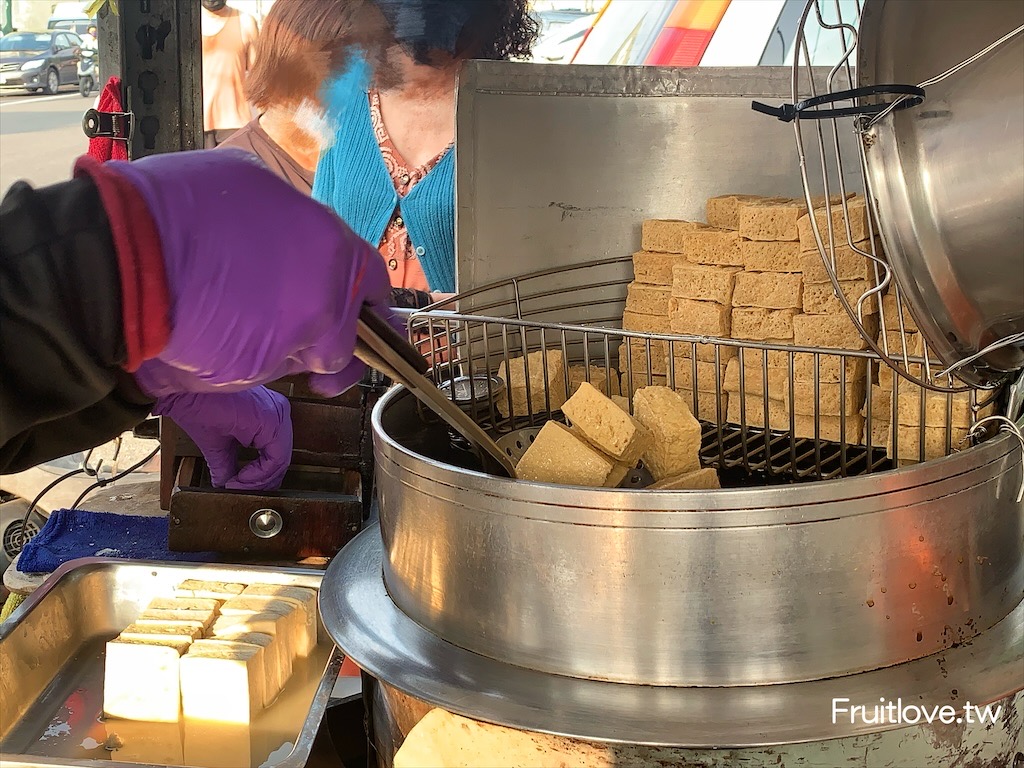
219, 423
264, 282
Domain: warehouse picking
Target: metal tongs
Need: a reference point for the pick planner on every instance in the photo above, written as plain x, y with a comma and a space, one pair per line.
380, 346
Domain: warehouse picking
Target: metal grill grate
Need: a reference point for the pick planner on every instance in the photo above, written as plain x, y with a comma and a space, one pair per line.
765, 428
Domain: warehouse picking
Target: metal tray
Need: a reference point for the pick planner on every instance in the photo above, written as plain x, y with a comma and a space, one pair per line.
51, 676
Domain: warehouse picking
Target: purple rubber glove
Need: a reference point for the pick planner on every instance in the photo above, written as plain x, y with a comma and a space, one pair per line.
264, 282
220, 423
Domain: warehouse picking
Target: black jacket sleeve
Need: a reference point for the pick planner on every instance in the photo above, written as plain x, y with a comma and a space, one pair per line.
62, 388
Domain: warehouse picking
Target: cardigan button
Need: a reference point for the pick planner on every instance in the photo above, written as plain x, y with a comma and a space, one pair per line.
420, 250
393, 264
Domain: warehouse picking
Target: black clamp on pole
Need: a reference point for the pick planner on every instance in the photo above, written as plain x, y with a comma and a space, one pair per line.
907, 96
107, 125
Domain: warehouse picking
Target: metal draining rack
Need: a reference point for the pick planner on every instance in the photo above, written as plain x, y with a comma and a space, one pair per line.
750, 426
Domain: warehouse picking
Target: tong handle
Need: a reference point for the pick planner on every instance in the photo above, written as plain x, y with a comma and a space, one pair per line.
393, 339
382, 347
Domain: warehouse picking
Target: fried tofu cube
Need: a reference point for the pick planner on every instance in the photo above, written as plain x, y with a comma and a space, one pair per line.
605, 426
560, 457
606, 380
665, 235
710, 245
757, 324
701, 480
771, 219
723, 211
830, 331
858, 220
677, 433
526, 378
848, 262
768, 290
703, 282
706, 409
820, 298
646, 299
699, 318
654, 268
768, 256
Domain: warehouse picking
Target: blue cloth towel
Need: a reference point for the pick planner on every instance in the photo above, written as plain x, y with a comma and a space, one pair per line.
74, 533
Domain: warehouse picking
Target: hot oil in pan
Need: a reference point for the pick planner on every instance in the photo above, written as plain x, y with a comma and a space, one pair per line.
78, 731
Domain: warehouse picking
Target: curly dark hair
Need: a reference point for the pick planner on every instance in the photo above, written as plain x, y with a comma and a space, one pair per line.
506, 30
464, 29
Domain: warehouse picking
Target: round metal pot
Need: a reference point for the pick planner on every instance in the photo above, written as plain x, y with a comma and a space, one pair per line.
728, 588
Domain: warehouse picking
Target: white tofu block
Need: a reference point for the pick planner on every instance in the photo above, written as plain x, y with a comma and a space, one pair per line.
215, 590
304, 600
293, 625
275, 677
184, 604
264, 660
272, 624
223, 685
140, 680
188, 629
203, 617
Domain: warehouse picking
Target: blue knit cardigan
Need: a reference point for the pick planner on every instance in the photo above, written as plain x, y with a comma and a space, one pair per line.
352, 179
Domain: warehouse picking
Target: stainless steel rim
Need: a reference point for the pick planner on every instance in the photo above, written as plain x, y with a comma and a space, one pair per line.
721, 509
379, 638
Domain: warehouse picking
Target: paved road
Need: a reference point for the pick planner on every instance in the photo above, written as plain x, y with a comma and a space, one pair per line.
40, 136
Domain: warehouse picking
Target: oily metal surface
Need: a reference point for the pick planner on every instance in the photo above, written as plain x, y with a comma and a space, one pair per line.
368, 626
948, 176
733, 587
51, 675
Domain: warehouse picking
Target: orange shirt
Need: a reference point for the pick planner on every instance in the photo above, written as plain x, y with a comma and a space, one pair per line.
395, 246
226, 55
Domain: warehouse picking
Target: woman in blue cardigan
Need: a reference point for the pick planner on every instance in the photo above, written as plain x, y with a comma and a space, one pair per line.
390, 173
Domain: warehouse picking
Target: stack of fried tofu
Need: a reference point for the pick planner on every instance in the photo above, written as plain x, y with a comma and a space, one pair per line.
920, 424
649, 300
213, 651
784, 297
697, 264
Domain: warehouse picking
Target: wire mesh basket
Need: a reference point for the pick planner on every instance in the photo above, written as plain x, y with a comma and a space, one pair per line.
820, 116
770, 412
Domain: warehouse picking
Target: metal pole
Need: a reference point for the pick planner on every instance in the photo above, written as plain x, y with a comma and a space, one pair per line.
155, 47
